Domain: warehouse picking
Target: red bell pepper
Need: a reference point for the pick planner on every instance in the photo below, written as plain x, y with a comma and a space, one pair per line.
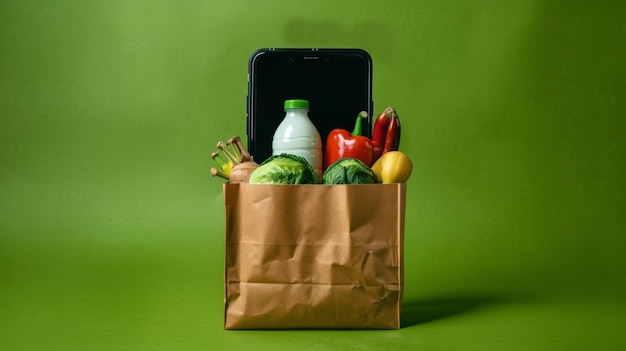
340, 144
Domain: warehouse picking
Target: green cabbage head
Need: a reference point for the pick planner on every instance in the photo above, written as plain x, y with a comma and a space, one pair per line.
348, 171
284, 169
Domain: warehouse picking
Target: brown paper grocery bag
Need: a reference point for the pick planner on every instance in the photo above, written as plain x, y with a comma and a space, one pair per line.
313, 256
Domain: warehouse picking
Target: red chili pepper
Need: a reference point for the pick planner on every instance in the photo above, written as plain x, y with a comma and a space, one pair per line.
340, 143
392, 139
382, 124
379, 134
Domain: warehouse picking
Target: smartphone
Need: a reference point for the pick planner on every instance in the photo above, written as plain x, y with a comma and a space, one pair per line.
337, 83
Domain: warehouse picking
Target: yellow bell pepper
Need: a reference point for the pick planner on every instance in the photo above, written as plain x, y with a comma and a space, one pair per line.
392, 167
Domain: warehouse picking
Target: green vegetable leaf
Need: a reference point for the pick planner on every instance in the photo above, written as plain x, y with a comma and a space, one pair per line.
284, 169
348, 171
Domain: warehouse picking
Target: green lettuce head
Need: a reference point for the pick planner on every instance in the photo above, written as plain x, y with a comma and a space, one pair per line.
348, 171
284, 169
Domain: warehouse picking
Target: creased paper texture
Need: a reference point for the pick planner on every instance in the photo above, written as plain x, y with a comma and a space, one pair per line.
313, 256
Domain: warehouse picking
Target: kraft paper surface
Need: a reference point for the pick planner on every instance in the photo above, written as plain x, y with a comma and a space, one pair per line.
313, 256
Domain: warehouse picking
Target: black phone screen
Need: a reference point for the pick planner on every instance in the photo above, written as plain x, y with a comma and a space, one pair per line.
337, 83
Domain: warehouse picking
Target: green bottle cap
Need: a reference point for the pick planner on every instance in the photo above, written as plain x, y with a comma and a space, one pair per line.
296, 103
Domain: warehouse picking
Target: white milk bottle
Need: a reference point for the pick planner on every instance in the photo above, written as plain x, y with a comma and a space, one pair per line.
297, 135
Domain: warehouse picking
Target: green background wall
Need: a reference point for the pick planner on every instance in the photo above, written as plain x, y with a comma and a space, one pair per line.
111, 228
